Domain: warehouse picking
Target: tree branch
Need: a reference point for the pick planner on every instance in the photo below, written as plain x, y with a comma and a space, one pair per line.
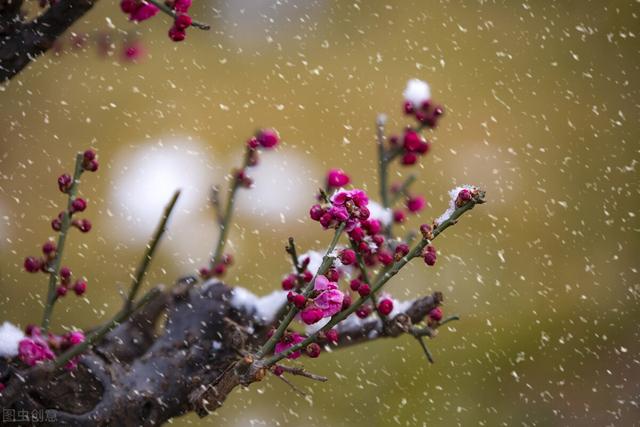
22, 42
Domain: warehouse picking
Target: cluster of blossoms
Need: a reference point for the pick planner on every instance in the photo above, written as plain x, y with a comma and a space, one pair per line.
411, 144
141, 10
65, 219
344, 207
36, 347
265, 139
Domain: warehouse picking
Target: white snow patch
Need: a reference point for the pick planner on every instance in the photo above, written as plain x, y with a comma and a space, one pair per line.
142, 181
315, 260
10, 336
354, 322
264, 309
400, 307
283, 189
376, 211
453, 195
417, 92
312, 329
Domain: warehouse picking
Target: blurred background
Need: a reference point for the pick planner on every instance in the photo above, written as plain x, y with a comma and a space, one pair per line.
542, 112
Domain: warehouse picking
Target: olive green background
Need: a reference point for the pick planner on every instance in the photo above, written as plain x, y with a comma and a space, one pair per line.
542, 112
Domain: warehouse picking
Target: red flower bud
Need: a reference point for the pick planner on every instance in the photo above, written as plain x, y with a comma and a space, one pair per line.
80, 287
183, 22
364, 290
347, 256
313, 350
289, 282
385, 307
436, 314
32, 264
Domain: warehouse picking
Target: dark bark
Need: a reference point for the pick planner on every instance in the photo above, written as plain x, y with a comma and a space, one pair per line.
137, 376
21, 42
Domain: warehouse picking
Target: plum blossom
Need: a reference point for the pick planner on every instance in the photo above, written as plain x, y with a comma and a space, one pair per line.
289, 340
34, 350
327, 302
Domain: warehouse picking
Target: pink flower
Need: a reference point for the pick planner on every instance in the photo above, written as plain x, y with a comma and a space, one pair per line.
289, 340
34, 350
143, 11
323, 284
329, 302
337, 178
415, 204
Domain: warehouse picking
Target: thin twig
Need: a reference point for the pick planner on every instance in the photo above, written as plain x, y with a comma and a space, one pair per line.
293, 387
365, 277
215, 202
448, 319
172, 13
382, 162
225, 224
301, 372
54, 270
151, 249
426, 349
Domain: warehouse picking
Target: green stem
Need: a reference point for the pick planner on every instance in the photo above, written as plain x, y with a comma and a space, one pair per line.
99, 333
381, 279
425, 349
150, 250
54, 268
382, 164
365, 277
225, 224
172, 13
327, 260
291, 250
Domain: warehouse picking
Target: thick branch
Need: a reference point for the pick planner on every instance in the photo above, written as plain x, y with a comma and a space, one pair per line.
22, 42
